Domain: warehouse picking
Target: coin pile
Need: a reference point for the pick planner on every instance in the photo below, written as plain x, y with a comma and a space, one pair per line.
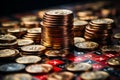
18, 32
79, 28
8, 41
34, 34
99, 30
57, 29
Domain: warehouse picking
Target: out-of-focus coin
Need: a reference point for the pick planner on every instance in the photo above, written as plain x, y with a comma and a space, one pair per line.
28, 59
23, 42
39, 68
114, 61
18, 76
8, 52
34, 30
117, 36
87, 45
33, 48
11, 67
79, 67
78, 39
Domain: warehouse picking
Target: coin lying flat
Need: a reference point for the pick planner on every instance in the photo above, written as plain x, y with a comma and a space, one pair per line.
95, 75
7, 38
11, 67
39, 68
80, 23
34, 30
16, 30
33, 48
111, 48
28, 59
61, 76
10, 23
8, 52
18, 76
29, 18
79, 67
114, 61
8, 44
23, 42
87, 45
78, 39
117, 36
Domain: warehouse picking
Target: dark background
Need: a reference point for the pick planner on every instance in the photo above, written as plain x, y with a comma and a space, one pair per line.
8, 7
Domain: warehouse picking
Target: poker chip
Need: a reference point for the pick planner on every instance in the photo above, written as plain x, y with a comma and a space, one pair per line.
94, 75
8, 53
79, 67
78, 39
11, 67
61, 76
33, 48
24, 42
18, 76
39, 68
87, 45
111, 48
28, 59
114, 61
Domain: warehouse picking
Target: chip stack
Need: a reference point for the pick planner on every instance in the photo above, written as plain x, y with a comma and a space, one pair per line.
57, 29
99, 30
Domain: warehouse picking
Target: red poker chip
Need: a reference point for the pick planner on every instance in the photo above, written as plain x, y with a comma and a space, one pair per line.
41, 77
90, 55
56, 69
97, 66
100, 58
77, 59
55, 62
109, 55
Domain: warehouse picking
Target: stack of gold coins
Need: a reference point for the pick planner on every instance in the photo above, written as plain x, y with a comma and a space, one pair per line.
57, 29
99, 30
18, 32
34, 34
8, 41
86, 15
79, 28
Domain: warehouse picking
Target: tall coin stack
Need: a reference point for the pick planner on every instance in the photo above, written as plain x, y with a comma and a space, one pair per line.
57, 29
99, 30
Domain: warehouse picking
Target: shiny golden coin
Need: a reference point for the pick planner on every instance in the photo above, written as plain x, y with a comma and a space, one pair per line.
39, 68
33, 48
79, 67
87, 45
28, 59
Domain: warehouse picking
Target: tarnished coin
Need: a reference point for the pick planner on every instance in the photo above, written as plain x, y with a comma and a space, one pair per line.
61, 76
111, 48
39, 68
34, 30
8, 52
11, 67
87, 45
94, 75
59, 12
28, 59
117, 36
23, 42
114, 61
78, 39
33, 48
18, 76
79, 67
